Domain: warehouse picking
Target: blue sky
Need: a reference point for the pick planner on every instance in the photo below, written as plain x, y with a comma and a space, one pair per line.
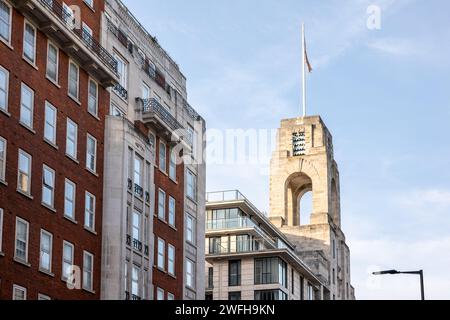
384, 94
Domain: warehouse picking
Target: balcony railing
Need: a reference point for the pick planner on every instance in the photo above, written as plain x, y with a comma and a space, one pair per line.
152, 106
137, 245
130, 184
121, 91
93, 45
138, 190
147, 197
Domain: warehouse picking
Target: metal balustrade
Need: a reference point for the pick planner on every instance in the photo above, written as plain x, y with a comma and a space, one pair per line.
152, 106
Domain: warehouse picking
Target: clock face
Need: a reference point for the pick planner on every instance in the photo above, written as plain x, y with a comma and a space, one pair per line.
298, 144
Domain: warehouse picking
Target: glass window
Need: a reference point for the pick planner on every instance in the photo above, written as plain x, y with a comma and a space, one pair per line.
50, 123
43, 297
270, 271
162, 205
215, 245
173, 165
26, 106
69, 199
170, 296
190, 229
136, 225
45, 258
135, 276
234, 273
4, 86
88, 270
68, 252
162, 157
2, 159
89, 215
91, 153
234, 296
5, 21
71, 139
93, 97
172, 211
122, 70
21, 250
52, 62
191, 185
161, 254
24, 173
171, 259
19, 293
29, 43
269, 295
74, 74
138, 165
159, 294
48, 186
190, 274
1, 229
145, 92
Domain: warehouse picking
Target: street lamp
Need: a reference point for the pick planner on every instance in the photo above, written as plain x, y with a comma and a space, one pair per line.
420, 273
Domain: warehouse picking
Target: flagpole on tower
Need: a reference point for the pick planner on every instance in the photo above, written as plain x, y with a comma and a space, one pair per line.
304, 69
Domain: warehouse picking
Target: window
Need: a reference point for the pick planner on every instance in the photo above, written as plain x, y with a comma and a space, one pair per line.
136, 225
43, 297
191, 185
24, 173
91, 153
162, 157
271, 271
93, 97
334, 248
171, 259
190, 229
68, 252
71, 139
89, 213
170, 296
135, 275
26, 106
234, 296
161, 254
87, 34
1, 229
159, 294
292, 281
88, 270
90, 3
5, 22
52, 62
116, 111
173, 165
2, 159
122, 70
215, 245
190, 274
172, 211
48, 186
74, 74
21, 250
29, 43
69, 16
145, 92
162, 205
269, 295
69, 199
4, 82
138, 165
234, 273
19, 293
50, 123
45, 257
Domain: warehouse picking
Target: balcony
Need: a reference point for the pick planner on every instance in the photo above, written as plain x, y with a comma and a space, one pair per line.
121, 91
53, 20
138, 190
155, 114
137, 245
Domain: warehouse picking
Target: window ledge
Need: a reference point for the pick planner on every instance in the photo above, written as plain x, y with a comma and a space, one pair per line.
32, 64
162, 220
46, 272
29, 196
173, 227
24, 263
163, 172
76, 100
91, 8
92, 172
173, 180
70, 220
161, 270
90, 231
72, 158
95, 116
45, 205
172, 276
89, 290
6, 43
27, 127
2, 254
5, 112
53, 81
119, 96
3, 182
51, 144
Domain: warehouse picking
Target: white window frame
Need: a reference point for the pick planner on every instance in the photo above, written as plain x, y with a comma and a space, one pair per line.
66, 199
160, 294
28, 59
93, 170
161, 261
138, 227
190, 274
6, 89
52, 125
138, 175
162, 162
172, 165
146, 91
172, 211
135, 280
75, 143
8, 41
190, 232
162, 212
77, 97
28, 174
22, 106
86, 29
27, 238
50, 253
171, 258
192, 185
3, 165
64, 261
50, 187
123, 78
19, 288
95, 111
170, 296
43, 297
51, 44
1, 230
90, 3
88, 286
87, 212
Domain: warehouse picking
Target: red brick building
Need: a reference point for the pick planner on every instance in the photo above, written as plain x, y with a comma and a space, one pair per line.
53, 100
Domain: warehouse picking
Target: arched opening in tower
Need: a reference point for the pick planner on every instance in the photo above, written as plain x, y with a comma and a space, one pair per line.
299, 192
305, 207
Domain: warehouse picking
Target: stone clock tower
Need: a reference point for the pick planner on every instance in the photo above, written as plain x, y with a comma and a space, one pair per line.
304, 162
